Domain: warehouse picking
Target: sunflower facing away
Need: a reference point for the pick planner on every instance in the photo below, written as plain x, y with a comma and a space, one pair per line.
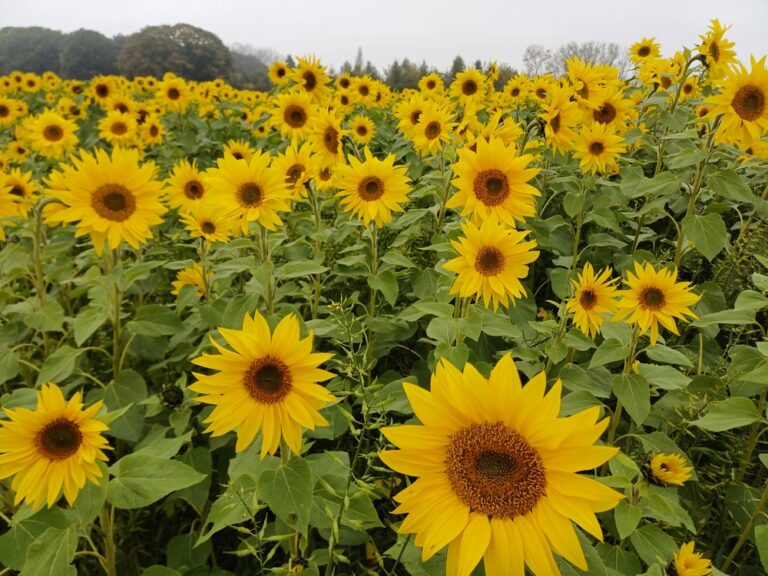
492, 260
52, 449
670, 469
268, 384
655, 298
192, 276
689, 563
497, 472
594, 296
373, 189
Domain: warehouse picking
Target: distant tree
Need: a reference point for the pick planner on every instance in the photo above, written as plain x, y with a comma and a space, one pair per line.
611, 54
32, 49
250, 71
357, 69
537, 59
457, 66
183, 49
371, 70
265, 55
505, 73
405, 74
87, 53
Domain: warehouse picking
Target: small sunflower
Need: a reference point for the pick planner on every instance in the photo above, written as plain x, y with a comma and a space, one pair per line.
561, 115
291, 115
686, 562
469, 85
655, 298
53, 449
238, 149
269, 383
408, 113
294, 165
491, 262
22, 188
310, 75
278, 73
497, 472
185, 186
598, 148
51, 134
192, 276
644, 50
670, 469
151, 130
433, 129
717, 50
431, 84
324, 177
174, 92
594, 297
362, 129
8, 111
102, 87
373, 189
208, 221
609, 108
118, 128
516, 90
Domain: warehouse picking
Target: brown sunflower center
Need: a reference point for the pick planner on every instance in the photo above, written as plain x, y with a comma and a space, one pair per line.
555, 123
663, 466
119, 128
331, 139
154, 131
310, 80
515, 92
415, 115
325, 174
121, 107
53, 133
714, 52
280, 72
749, 102
363, 90
113, 202
494, 471
250, 195
268, 380
18, 191
469, 87
432, 130
652, 298
596, 148
666, 82
344, 83
541, 93
587, 299
102, 90
295, 116
60, 439
583, 91
344, 100
431, 85
361, 130
491, 187
371, 188
173, 94
687, 88
644, 51
4, 111
605, 114
489, 261
293, 173
193, 190
208, 227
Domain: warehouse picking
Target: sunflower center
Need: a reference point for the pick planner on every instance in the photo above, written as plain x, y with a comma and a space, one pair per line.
663, 466
370, 188
363, 90
173, 94
120, 107
60, 439
331, 139
587, 299
415, 115
469, 87
666, 82
491, 187
494, 471
102, 90
113, 202
53, 133
280, 72
583, 91
154, 131
325, 174
294, 173
515, 92
295, 116
193, 190
431, 85
344, 83
687, 88
4, 111
541, 93
432, 130
361, 130
714, 51
17, 191
268, 380
596, 148
250, 195
489, 261
605, 114
652, 299
644, 51
555, 123
344, 100
119, 128
208, 227
749, 102
310, 81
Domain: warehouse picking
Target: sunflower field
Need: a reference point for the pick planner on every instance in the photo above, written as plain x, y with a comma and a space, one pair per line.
337, 329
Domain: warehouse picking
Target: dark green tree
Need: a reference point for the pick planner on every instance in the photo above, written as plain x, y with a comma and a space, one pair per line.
457, 66
87, 53
32, 49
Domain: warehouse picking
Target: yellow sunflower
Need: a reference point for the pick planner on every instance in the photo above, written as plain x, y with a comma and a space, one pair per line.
112, 198
324, 177
468, 85
326, 137
516, 90
491, 262
8, 111
493, 179
8, 207
250, 189
585, 78
238, 149
101, 87
278, 73
362, 129
294, 166
373, 189
655, 298
270, 383
53, 449
310, 75
22, 188
431, 84
208, 221
594, 297
408, 113
185, 186
118, 128
561, 115
645, 49
291, 115
686, 562
433, 129
598, 148
610, 108
497, 472
174, 92
670, 469
718, 50
51, 135
151, 131
192, 276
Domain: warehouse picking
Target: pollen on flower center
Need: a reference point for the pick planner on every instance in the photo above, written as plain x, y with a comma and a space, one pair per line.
494, 471
371, 188
114, 202
652, 298
491, 187
59, 439
489, 261
268, 380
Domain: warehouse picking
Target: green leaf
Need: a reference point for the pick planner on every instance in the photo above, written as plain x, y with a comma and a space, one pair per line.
728, 184
90, 500
727, 414
59, 365
667, 355
761, 542
9, 365
707, 233
52, 553
87, 322
386, 283
634, 392
164, 447
155, 320
627, 518
126, 393
611, 350
748, 302
302, 268
395, 258
662, 184
48, 319
139, 480
238, 503
158, 570
288, 492
24, 532
652, 544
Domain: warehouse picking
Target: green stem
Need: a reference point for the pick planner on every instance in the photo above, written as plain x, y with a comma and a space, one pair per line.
317, 254
202, 251
265, 258
107, 522
747, 530
37, 258
446, 192
754, 434
374, 266
117, 301
628, 361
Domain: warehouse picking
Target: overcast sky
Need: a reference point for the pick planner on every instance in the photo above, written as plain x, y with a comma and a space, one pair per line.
433, 30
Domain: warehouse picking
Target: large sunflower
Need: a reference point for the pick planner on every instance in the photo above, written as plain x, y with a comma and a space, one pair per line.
51, 134
113, 198
374, 188
497, 472
492, 260
310, 75
598, 148
52, 449
185, 186
655, 298
269, 383
493, 179
594, 297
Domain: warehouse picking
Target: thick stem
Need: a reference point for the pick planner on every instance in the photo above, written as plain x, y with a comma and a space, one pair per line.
747, 529
203, 253
446, 192
107, 522
754, 434
628, 361
317, 254
374, 267
37, 257
117, 301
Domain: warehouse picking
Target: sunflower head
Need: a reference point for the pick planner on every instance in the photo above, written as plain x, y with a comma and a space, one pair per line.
670, 469
594, 297
686, 562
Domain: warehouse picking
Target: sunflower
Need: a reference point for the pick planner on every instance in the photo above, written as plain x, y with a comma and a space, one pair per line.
584, 77
16, 152
326, 137
192, 276
363, 88
431, 84
561, 115
294, 166
689, 89
118, 128
207, 221
494, 180
374, 188
238, 149
362, 129
433, 129
645, 49
610, 108
686, 562
743, 104
468, 85
718, 51
8, 111
22, 188
250, 189
52, 449
310, 75
598, 148
541, 87
185, 186
408, 113
670, 469
291, 115
497, 471
101, 87
112, 198
51, 134
174, 92
269, 383
151, 130
324, 177
516, 90
344, 81
492, 260
594, 297
8, 207
278, 73
655, 298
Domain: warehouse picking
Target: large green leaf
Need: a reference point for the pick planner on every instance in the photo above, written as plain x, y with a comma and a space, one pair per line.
139, 480
155, 320
634, 392
52, 553
288, 492
726, 414
707, 233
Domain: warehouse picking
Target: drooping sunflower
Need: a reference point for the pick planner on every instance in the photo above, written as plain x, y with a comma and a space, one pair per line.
111, 197
491, 262
50, 134
718, 50
598, 148
670, 469
373, 189
497, 471
269, 383
209, 221
250, 189
594, 296
239, 149
53, 449
655, 298
22, 188
278, 73
291, 115
686, 562
362, 129
326, 137
192, 276
493, 179
468, 85
645, 49
118, 128
185, 186
433, 129
310, 75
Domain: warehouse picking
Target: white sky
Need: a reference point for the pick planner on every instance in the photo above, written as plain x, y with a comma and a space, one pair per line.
434, 30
